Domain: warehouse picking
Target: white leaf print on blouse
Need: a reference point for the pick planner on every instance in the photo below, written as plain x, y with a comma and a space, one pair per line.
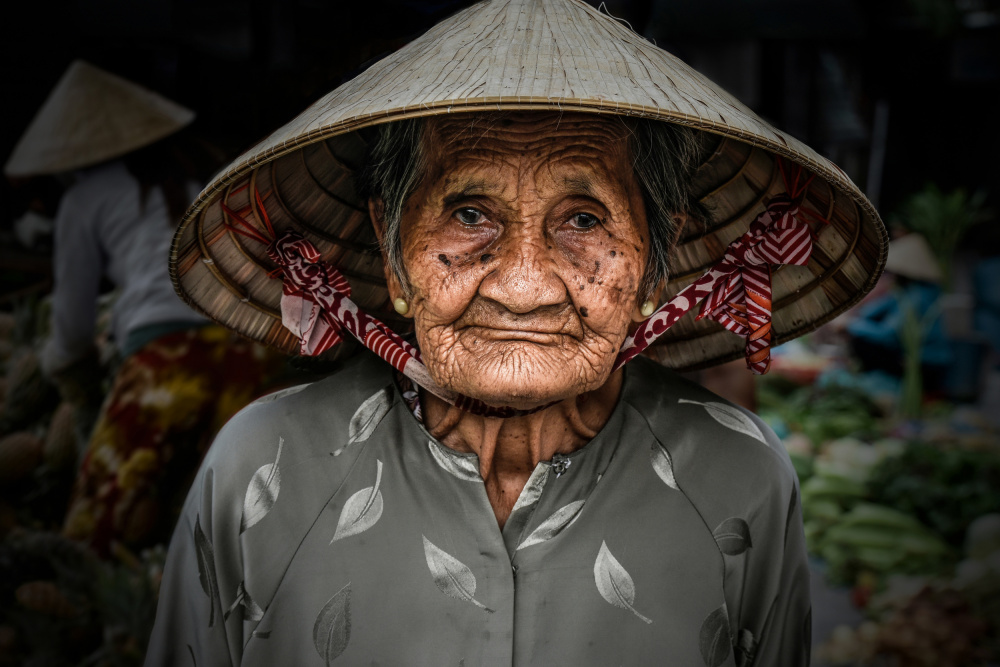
282, 393
663, 466
206, 568
362, 510
332, 630
367, 417
730, 417
714, 638
451, 576
262, 492
251, 610
560, 520
614, 583
465, 468
733, 536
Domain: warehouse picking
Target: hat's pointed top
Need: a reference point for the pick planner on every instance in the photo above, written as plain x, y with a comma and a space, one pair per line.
531, 55
89, 117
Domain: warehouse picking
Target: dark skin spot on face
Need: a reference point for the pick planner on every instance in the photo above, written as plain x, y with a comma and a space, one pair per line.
612, 253
583, 311
444, 259
590, 279
597, 265
485, 258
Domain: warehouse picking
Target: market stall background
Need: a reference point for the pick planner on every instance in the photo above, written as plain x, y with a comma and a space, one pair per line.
900, 481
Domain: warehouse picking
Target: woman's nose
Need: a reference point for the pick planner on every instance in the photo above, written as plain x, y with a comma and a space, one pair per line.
523, 275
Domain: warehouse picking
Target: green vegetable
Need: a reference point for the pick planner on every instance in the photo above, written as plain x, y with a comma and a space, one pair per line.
869, 514
879, 559
945, 489
824, 510
823, 487
821, 413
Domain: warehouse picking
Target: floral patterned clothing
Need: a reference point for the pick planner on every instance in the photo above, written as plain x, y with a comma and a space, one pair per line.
167, 402
327, 527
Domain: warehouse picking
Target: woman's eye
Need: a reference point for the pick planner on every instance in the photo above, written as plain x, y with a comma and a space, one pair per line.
469, 216
583, 220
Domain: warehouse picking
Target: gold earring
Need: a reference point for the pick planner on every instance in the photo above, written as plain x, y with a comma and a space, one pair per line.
401, 306
647, 308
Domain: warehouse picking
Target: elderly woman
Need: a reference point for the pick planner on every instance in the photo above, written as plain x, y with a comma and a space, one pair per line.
505, 489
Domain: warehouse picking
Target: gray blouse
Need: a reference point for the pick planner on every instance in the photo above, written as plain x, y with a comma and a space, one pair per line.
326, 527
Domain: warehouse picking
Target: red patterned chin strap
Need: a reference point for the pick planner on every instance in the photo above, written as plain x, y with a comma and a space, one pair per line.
316, 304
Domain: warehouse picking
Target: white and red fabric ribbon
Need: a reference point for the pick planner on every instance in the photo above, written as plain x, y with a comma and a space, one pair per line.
737, 290
316, 305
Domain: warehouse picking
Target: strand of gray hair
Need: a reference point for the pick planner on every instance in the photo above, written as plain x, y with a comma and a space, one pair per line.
391, 174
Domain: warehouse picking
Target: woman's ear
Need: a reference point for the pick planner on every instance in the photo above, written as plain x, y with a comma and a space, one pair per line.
648, 305
376, 210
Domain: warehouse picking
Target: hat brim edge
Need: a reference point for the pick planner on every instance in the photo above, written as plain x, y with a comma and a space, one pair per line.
838, 179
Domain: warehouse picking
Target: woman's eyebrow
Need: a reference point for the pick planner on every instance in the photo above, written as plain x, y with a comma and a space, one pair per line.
465, 189
580, 185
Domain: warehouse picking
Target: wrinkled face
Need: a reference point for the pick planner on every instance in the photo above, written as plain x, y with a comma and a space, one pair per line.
525, 246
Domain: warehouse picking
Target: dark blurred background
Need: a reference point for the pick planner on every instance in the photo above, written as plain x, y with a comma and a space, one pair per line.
903, 94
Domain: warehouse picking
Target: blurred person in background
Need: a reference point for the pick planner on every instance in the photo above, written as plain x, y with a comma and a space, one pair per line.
878, 332
132, 170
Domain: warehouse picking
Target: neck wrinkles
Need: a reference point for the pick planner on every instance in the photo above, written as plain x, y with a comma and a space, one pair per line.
510, 449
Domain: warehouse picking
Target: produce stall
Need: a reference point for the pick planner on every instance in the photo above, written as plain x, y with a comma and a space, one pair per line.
903, 514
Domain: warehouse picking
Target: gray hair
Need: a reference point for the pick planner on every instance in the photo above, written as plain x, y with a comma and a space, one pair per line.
664, 157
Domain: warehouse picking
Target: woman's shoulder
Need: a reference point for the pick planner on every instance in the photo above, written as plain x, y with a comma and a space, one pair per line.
713, 443
310, 422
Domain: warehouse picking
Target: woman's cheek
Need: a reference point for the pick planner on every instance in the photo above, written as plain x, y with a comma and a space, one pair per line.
602, 278
444, 294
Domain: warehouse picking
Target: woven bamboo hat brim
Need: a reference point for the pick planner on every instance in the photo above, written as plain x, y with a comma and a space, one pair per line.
523, 55
89, 117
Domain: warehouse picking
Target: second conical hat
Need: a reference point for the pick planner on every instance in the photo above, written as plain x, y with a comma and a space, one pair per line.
92, 116
524, 55
911, 256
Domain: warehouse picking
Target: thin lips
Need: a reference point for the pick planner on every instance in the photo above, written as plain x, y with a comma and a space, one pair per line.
503, 333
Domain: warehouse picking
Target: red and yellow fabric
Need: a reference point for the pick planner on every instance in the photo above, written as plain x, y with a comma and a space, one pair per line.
166, 404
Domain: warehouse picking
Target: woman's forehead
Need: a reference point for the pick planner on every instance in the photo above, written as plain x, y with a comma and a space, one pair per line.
565, 145
523, 130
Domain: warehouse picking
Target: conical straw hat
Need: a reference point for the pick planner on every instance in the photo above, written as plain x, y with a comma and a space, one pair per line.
911, 256
89, 117
524, 55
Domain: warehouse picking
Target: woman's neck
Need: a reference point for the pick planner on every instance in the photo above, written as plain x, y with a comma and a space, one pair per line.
509, 449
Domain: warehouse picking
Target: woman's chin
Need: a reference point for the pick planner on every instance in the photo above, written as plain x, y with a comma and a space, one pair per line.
522, 386
514, 397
